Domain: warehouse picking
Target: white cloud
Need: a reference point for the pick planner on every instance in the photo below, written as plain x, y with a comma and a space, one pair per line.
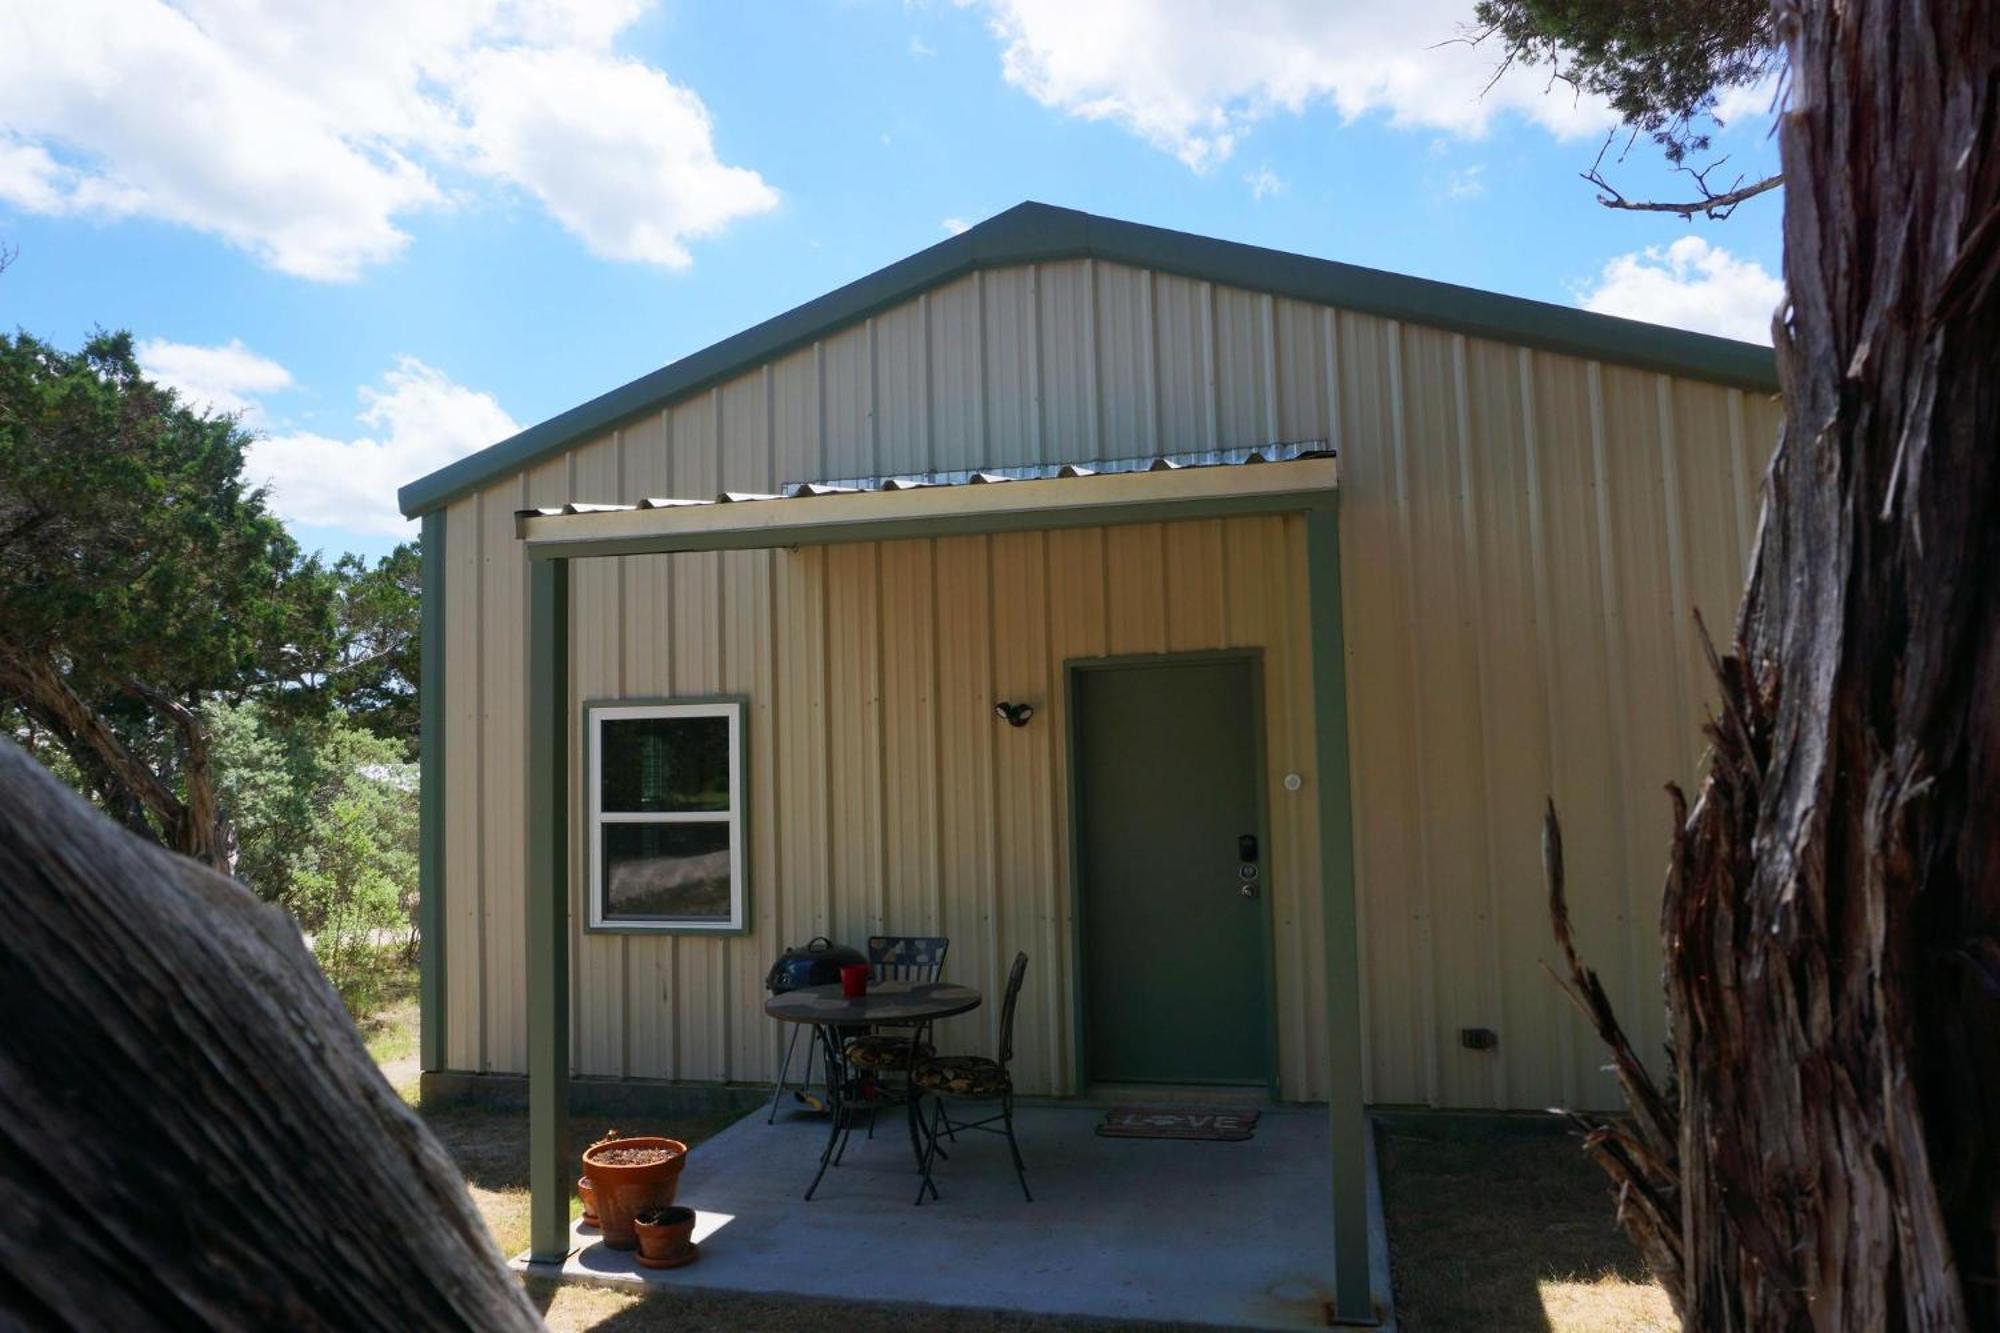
305, 133
226, 379
1466, 183
1747, 101
418, 420
616, 152
953, 226
921, 49
1193, 76
1264, 183
1691, 285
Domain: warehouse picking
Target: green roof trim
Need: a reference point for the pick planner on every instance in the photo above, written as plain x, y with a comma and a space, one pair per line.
1032, 232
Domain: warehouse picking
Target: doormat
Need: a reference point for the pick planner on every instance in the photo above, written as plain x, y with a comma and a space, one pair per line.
1176, 1122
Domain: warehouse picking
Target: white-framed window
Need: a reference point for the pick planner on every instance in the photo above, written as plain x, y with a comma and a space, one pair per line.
666, 816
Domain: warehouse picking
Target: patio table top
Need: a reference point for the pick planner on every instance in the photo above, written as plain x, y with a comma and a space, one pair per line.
885, 1002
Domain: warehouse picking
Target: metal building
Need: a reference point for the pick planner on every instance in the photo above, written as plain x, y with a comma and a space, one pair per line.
1396, 559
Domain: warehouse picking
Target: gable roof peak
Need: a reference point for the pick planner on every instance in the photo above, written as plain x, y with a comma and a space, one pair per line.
1035, 232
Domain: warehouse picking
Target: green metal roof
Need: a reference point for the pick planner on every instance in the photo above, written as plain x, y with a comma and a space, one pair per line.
1032, 232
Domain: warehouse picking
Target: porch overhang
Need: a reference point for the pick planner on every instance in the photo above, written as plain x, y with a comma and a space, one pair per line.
1277, 480
892, 508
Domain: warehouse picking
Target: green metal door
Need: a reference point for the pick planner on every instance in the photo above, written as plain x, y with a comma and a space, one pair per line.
1171, 864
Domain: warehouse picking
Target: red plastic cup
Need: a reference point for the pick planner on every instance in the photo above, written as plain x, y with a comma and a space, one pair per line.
854, 980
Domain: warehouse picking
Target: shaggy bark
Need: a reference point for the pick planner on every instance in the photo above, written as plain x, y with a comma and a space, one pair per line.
191, 1133
1832, 907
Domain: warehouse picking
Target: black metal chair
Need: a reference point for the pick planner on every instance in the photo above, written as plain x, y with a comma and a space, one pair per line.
894, 958
973, 1078
885, 1055
897, 958
908, 957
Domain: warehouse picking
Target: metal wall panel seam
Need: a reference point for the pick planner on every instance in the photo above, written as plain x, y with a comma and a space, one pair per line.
1150, 306
1267, 328
1210, 354
1613, 629
1544, 645
1092, 382
1740, 473
1682, 626
1425, 963
1330, 333
1492, 989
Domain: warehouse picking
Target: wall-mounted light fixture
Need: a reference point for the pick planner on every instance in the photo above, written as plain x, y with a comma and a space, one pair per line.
1014, 715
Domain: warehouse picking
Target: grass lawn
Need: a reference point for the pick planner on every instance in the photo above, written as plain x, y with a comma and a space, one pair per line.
1496, 1224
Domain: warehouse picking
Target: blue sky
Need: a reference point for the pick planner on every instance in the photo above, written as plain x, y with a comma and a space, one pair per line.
387, 245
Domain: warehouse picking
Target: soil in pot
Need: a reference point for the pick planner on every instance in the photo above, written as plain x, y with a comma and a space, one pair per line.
588, 1196
629, 1175
666, 1237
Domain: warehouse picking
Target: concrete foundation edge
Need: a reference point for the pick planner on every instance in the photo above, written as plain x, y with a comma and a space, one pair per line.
595, 1096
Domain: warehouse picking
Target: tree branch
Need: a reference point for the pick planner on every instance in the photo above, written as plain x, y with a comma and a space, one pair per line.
202, 833
38, 683
1642, 1159
1713, 204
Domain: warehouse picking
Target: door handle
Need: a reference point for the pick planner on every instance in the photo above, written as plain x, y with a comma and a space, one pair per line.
1246, 875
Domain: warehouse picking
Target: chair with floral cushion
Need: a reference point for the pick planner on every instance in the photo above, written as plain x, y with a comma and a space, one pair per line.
973, 1078
886, 1058
897, 958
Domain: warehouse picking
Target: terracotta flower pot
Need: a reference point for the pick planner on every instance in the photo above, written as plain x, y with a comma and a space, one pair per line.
666, 1237
585, 1192
629, 1176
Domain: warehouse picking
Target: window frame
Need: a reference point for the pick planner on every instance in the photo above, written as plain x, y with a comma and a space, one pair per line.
596, 916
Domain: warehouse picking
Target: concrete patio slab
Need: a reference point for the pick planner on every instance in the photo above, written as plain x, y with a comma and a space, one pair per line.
1230, 1234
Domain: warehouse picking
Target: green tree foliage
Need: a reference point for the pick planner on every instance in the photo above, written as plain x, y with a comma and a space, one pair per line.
355, 884
379, 623
140, 576
272, 777
1662, 67
167, 649
326, 815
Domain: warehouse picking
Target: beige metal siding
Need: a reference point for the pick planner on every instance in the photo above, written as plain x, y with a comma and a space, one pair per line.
1523, 535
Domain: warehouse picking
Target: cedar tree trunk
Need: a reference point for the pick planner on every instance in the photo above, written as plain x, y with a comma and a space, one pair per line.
189, 821
1832, 907
191, 1134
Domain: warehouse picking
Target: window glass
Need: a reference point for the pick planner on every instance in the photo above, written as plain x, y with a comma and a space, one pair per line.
666, 823
678, 871
665, 764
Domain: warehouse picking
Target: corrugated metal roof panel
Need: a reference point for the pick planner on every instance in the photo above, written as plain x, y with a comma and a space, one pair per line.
1283, 452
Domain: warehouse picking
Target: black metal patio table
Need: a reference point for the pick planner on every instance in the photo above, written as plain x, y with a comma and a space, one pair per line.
833, 1016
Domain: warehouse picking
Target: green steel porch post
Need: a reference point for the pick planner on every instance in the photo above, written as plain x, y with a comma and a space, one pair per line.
1348, 1120
431, 1015
548, 909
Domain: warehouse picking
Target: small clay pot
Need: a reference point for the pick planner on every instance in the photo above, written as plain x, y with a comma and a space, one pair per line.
666, 1237
589, 1197
624, 1189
